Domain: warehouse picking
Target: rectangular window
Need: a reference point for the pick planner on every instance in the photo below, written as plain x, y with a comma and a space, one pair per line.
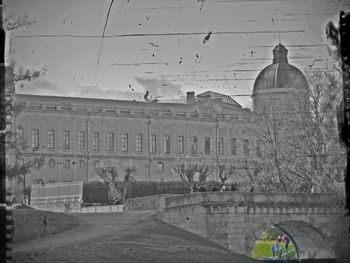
221, 146
66, 140
66, 164
19, 136
233, 146
193, 145
96, 164
35, 138
153, 143
258, 148
96, 141
51, 139
139, 142
160, 166
81, 164
246, 147
180, 144
125, 142
207, 145
110, 141
81, 140
167, 143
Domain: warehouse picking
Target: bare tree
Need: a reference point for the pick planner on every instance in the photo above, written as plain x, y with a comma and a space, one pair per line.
109, 176
204, 170
13, 22
225, 172
268, 128
129, 171
17, 148
326, 159
186, 170
301, 147
24, 162
25, 159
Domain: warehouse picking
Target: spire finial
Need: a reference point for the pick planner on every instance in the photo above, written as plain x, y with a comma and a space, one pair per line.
280, 54
279, 37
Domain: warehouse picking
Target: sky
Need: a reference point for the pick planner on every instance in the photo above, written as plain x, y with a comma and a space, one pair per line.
164, 46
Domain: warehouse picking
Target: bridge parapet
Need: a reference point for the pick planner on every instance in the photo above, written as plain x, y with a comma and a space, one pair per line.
153, 202
236, 219
241, 202
282, 200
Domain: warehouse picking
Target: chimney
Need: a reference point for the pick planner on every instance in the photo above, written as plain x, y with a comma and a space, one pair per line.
190, 97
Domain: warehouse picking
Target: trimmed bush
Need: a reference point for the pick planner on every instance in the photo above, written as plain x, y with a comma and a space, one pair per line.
139, 189
271, 234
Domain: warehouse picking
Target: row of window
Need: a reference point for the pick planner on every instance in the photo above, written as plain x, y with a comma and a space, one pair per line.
66, 164
138, 142
66, 139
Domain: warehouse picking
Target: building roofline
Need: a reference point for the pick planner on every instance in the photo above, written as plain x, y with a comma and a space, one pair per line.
81, 99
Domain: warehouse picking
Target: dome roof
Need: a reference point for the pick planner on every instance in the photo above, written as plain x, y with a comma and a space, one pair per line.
280, 74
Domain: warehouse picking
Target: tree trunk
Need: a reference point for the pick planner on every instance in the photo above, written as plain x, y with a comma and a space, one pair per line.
125, 191
24, 189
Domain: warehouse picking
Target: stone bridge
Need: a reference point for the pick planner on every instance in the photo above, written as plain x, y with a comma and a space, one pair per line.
314, 222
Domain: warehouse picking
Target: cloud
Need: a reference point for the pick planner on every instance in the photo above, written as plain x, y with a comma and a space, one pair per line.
96, 92
160, 88
41, 87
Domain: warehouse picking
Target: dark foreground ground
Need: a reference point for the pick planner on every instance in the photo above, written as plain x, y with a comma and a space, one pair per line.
29, 223
128, 237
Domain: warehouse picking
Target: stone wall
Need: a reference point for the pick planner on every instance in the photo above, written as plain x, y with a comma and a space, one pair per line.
59, 206
236, 220
153, 202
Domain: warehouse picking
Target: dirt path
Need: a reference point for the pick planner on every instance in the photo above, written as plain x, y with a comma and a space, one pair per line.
90, 226
128, 237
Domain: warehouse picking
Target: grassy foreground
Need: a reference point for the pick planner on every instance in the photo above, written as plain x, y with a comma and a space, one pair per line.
128, 237
262, 249
29, 224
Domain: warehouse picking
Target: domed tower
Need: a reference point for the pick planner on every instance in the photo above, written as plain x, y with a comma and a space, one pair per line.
279, 83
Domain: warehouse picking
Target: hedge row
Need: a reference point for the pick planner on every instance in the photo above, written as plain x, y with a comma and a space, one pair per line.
94, 191
139, 189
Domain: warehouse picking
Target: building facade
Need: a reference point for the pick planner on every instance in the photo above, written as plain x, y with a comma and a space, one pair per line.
78, 135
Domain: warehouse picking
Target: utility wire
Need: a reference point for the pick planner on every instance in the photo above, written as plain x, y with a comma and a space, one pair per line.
162, 34
99, 54
109, 10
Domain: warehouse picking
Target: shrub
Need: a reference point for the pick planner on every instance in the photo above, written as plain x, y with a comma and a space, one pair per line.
139, 189
271, 234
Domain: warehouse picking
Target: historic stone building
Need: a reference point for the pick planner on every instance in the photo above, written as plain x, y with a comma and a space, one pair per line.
77, 135
279, 84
